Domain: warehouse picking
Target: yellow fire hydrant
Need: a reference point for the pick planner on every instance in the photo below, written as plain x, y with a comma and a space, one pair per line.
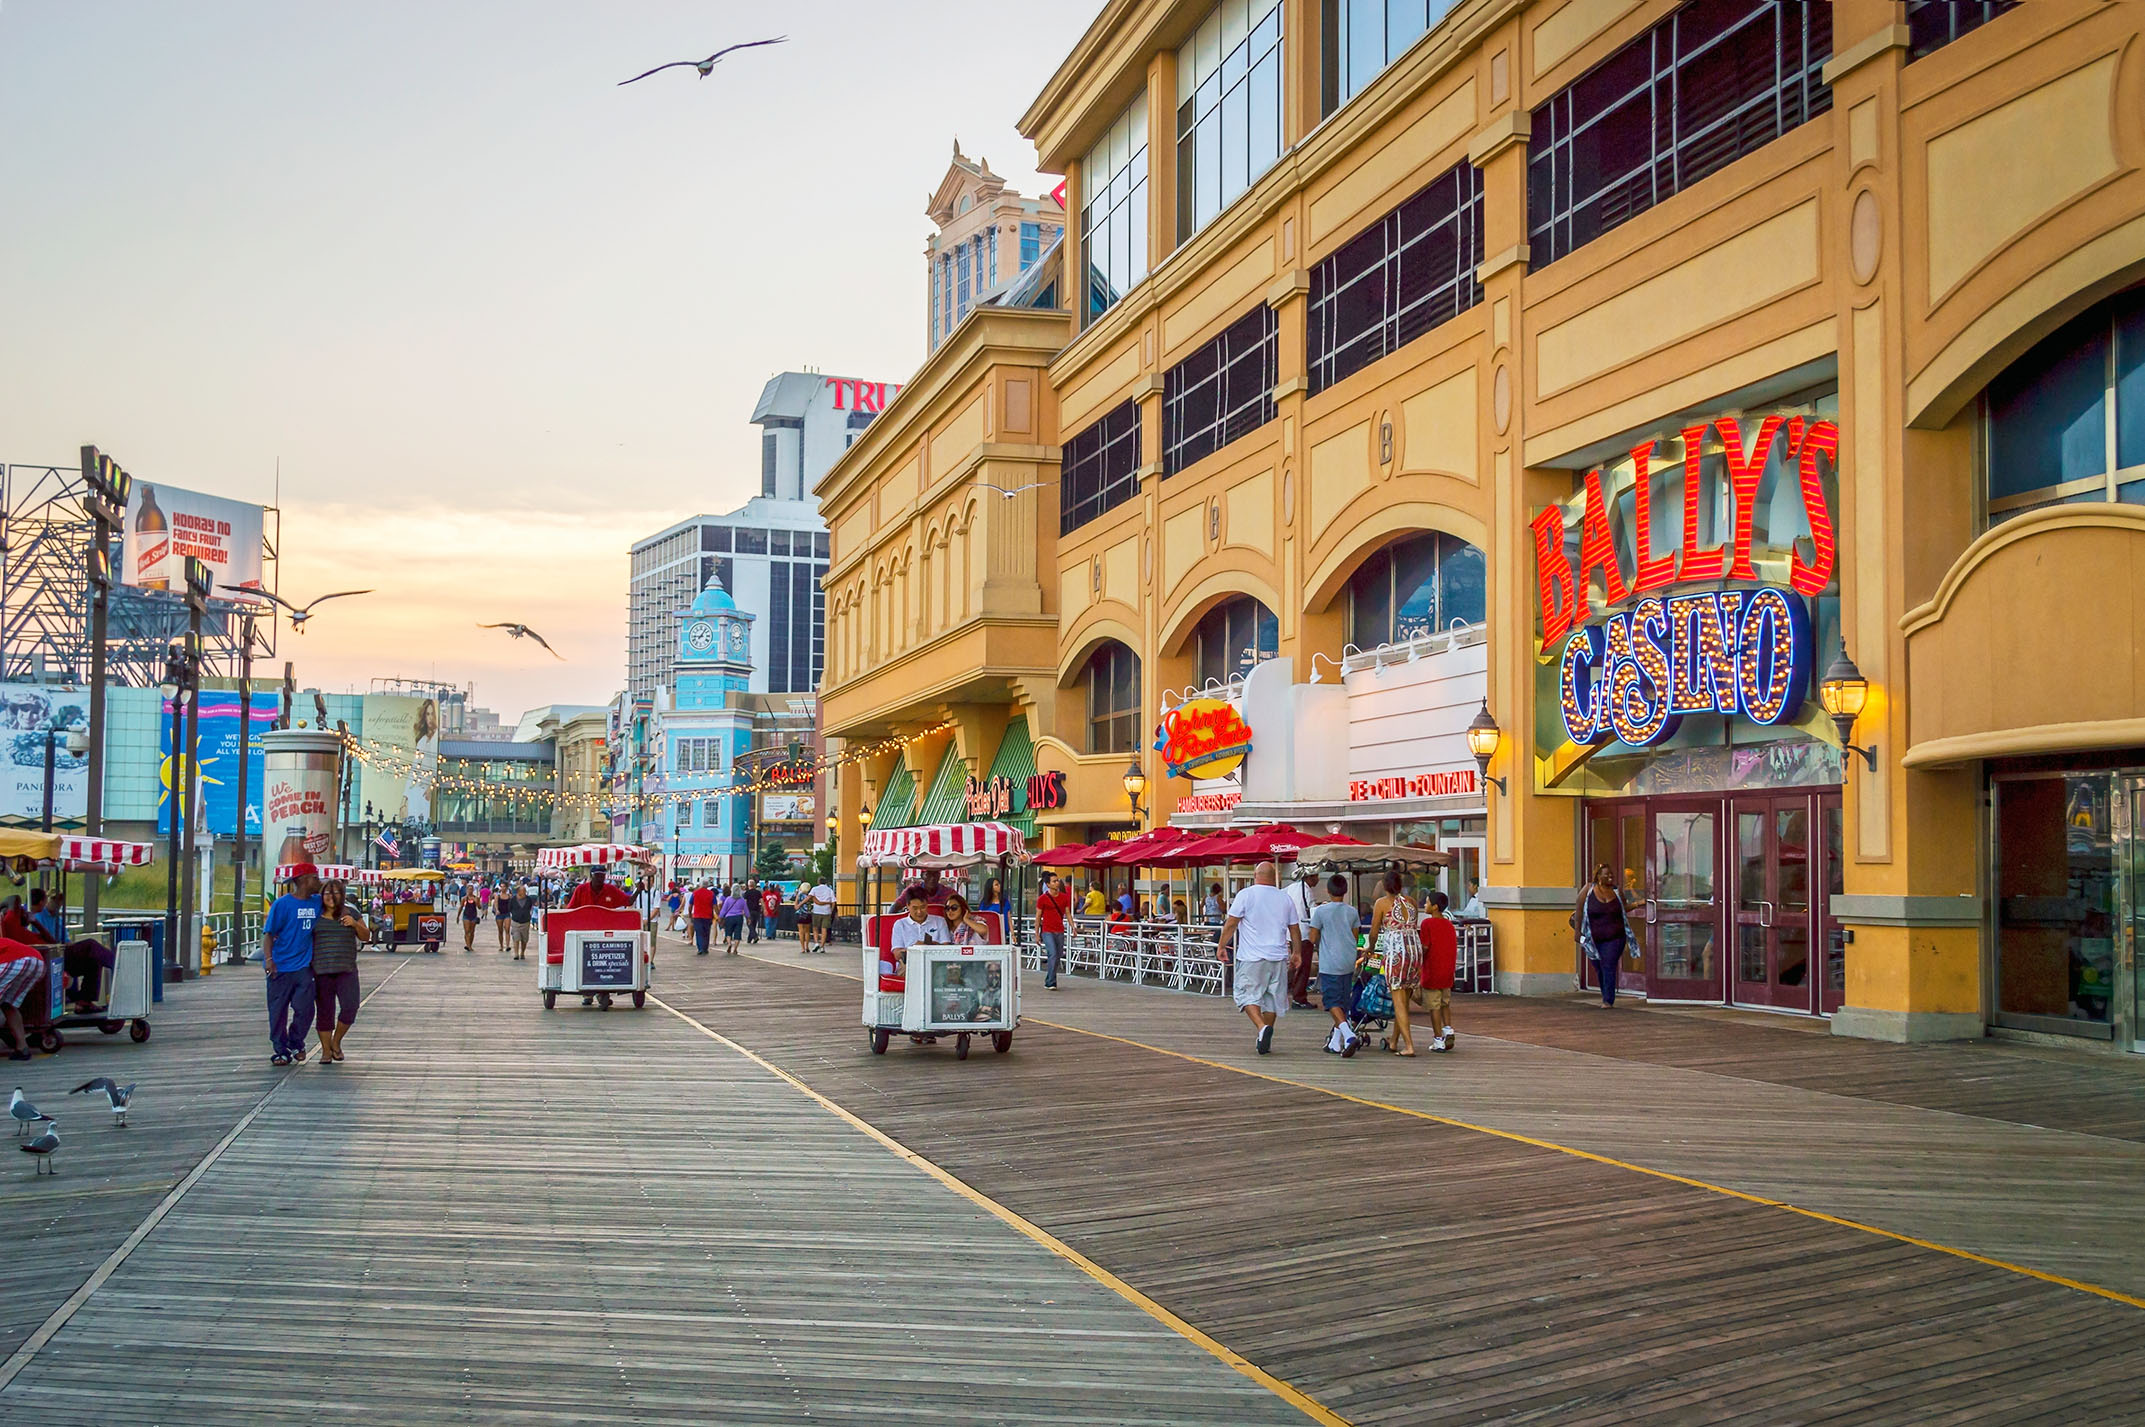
208, 948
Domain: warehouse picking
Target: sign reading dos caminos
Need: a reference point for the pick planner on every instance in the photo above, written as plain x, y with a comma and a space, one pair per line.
1203, 738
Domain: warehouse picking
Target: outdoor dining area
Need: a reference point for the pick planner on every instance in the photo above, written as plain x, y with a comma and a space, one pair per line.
1169, 935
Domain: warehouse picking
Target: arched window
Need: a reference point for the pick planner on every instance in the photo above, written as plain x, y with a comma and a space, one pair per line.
2050, 437
1233, 636
1113, 700
1415, 586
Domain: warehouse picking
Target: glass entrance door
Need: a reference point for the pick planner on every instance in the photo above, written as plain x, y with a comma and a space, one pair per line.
2128, 807
1616, 835
1683, 900
1775, 853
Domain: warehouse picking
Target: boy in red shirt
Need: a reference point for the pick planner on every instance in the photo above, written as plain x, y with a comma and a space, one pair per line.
22, 973
1441, 958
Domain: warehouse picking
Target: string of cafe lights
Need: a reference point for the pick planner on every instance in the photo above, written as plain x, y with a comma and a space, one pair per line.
398, 762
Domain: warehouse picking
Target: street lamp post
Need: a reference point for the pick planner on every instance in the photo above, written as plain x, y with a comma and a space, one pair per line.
174, 690
109, 489
245, 757
199, 582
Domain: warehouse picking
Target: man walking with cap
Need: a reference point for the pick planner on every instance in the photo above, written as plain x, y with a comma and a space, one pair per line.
1265, 928
287, 955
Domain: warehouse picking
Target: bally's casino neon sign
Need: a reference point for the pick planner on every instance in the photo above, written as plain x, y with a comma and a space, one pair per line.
1633, 666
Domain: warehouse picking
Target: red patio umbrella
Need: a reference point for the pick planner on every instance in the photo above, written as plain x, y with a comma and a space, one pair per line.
1072, 854
1141, 851
1276, 841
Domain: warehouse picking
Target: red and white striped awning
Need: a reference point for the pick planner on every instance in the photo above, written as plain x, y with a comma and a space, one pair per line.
342, 872
588, 854
105, 852
953, 843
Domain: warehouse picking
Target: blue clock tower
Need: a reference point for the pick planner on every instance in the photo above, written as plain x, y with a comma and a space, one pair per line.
703, 732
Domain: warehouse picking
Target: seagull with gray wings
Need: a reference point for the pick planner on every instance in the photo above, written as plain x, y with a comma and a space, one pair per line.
43, 1147
24, 1114
705, 66
298, 614
522, 631
119, 1097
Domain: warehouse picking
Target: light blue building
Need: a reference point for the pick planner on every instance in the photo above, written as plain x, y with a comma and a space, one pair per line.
700, 731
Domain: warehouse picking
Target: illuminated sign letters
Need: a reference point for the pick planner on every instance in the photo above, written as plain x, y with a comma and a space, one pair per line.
1203, 738
1745, 653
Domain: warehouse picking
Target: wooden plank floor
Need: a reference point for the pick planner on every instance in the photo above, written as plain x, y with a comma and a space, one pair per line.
495, 1214
203, 1067
1405, 1271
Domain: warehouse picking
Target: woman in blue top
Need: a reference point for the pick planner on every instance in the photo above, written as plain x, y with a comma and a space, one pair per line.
994, 901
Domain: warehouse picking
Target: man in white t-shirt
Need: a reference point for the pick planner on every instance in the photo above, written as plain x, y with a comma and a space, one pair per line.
1267, 931
822, 900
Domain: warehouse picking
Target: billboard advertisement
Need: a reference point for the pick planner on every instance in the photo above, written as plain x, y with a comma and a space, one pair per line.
164, 525
217, 751
302, 765
26, 711
786, 808
402, 735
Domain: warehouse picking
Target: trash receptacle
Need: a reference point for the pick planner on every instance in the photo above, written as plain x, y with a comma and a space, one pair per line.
150, 931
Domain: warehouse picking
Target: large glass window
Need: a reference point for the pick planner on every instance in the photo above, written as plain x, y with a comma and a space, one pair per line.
1113, 700
1933, 24
1220, 392
1362, 37
1031, 244
1233, 636
2050, 439
1100, 468
1714, 81
1411, 270
1113, 220
1228, 108
966, 268
2056, 923
1415, 587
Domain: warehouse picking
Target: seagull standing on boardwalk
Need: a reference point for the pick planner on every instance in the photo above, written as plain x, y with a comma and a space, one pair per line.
43, 1147
522, 631
705, 66
24, 1114
118, 1096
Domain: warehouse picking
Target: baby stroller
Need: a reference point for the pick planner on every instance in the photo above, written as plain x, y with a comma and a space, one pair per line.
1370, 1000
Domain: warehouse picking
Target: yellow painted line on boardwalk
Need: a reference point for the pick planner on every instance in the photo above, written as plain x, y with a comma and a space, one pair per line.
2096, 1290
1309, 1406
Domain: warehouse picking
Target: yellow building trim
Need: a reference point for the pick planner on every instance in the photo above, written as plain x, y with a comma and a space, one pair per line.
1177, 624
2023, 742
1086, 637
1377, 528
2021, 527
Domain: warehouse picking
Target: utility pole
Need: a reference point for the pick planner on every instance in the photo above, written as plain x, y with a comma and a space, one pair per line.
200, 581
245, 757
109, 487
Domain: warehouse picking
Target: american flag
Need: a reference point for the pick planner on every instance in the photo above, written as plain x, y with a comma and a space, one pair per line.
387, 844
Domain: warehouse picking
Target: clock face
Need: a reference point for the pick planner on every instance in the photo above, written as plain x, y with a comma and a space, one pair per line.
700, 636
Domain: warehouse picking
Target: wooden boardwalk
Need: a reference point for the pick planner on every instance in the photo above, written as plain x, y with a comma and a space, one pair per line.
495, 1214
1401, 1270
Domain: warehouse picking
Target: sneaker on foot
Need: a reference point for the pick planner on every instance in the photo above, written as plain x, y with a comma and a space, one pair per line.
1266, 1040
279, 1060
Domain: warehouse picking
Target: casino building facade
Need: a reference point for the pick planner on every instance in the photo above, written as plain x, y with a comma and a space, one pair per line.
1734, 410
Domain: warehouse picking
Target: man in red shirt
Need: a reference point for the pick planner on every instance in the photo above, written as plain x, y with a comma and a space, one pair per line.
702, 907
1441, 958
771, 908
1052, 905
22, 973
597, 892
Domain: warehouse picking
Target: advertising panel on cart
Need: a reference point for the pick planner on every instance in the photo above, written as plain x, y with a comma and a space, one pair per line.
594, 952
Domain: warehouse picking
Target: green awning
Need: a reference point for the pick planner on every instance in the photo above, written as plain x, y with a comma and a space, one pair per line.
948, 802
897, 803
1016, 763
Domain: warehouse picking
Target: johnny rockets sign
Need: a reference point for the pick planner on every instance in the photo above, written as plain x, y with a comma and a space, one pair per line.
1679, 580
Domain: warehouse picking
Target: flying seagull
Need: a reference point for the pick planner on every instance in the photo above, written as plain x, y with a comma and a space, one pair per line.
298, 615
24, 1113
43, 1146
119, 1096
705, 66
522, 631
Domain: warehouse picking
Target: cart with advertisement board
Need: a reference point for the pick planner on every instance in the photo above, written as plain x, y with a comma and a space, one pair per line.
93, 983
413, 915
593, 951
929, 990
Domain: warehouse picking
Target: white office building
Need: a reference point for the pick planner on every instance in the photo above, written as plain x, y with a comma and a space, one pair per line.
769, 553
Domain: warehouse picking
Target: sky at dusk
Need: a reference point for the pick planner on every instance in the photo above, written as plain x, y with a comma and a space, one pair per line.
494, 316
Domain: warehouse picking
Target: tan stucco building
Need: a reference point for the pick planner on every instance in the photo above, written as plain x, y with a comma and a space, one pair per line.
1658, 354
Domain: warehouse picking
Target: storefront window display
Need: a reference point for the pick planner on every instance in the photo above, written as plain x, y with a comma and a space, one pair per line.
2069, 881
